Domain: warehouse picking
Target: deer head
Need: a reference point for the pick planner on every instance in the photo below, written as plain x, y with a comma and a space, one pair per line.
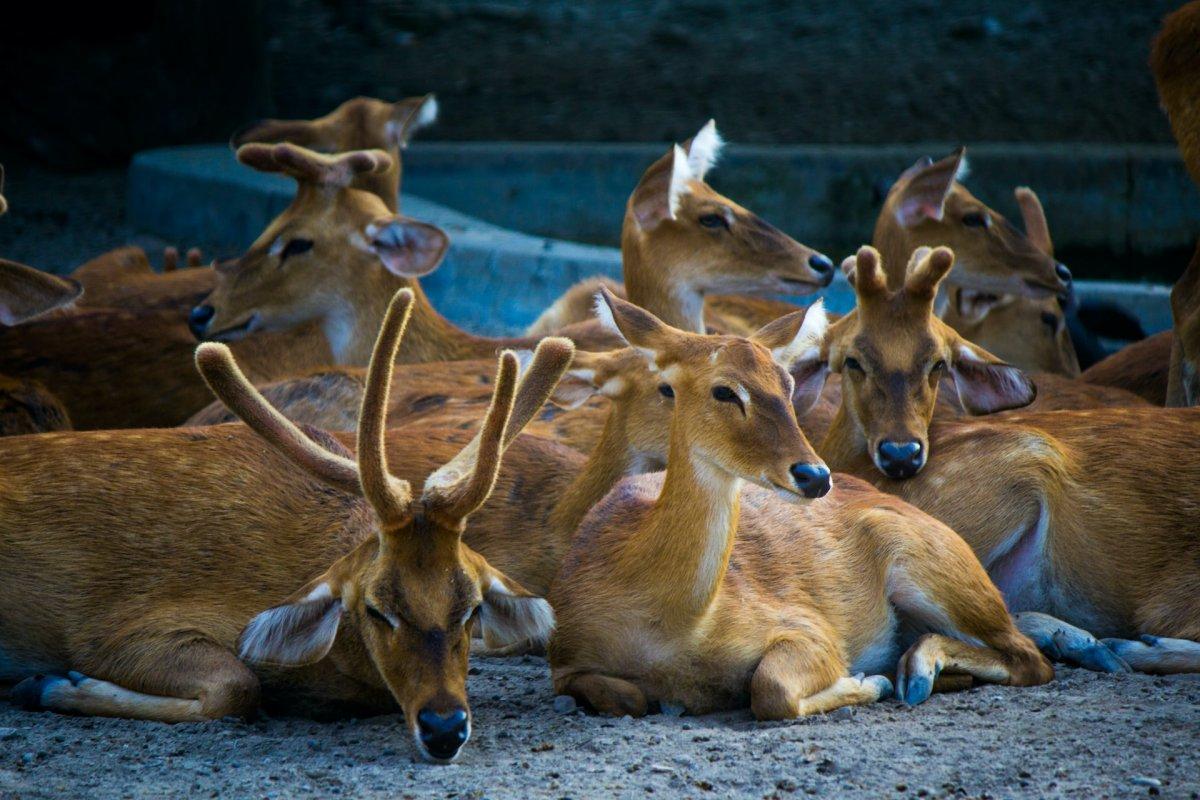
892, 353
732, 395
1028, 332
928, 206
397, 610
363, 123
680, 232
327, 258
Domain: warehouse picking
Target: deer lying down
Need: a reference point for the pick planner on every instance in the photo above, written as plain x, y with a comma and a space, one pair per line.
26, 406
681, 240
141, 608
672, 595
1047, 501
123, 278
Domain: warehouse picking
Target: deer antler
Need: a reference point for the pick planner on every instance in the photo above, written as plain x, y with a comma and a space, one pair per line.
307, 166
926, 270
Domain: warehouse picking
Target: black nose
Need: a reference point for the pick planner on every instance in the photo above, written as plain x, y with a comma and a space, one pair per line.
822, 266
441, 734
198, 320
1063, 273
811, 479
901, 459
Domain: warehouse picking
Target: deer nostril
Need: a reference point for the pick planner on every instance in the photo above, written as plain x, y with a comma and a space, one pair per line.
443, 734
1062, 272
198, 320
811, 479
901, 459
821, 264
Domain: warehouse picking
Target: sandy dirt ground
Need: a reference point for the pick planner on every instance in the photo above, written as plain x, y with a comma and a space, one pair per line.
1081, 736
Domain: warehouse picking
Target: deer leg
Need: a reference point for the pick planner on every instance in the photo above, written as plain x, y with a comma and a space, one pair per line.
924, 662
797, 677
199, 681
1158, 655
1061, 641
605, 694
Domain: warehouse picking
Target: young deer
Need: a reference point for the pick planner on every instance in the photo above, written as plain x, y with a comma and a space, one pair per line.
331, 259
681, 240
1165, 368
26, 406
685, 590
1046, 500
379, 590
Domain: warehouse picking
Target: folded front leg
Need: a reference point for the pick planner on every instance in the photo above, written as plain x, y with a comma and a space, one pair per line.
803, 674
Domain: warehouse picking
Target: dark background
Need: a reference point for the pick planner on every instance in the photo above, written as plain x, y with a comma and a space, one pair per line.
86, 85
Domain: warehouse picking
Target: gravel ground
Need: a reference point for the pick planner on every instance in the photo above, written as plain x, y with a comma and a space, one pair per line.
1084, 736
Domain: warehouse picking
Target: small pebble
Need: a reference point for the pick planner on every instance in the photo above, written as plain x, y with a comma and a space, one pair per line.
1141, 780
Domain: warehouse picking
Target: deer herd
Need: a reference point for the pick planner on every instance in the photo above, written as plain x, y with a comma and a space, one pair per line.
730, 501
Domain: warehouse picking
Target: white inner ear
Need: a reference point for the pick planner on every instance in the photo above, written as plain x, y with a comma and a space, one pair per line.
681, 176
427, 114
706, 148
604, 314
963, 171
293, 634
807, 343
507, 618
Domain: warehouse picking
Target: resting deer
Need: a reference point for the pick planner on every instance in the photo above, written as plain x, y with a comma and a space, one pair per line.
685, 590
123, 278
1165, 368
378, 589
1084, 515
332, 259
681, 240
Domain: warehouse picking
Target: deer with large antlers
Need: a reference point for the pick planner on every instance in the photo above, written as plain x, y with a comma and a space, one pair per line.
1047, 501
685, 589
378, 589
681, 240
1165, 368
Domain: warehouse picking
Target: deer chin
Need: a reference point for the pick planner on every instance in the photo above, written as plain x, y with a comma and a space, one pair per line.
236, 332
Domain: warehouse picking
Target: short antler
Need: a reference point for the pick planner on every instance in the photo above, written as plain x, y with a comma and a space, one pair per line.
220, 371
306, 166
926, 270
389, 495
551, 360
869, 280
1036, 227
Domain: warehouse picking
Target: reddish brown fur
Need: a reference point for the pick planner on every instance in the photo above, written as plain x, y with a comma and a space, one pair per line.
123, 278
1142, 368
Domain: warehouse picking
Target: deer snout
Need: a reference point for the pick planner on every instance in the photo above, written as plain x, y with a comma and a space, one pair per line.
442, 734
198, 320
823, 266
812, 480
900, 460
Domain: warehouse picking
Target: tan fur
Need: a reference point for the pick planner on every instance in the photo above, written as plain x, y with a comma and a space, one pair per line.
668, 596
1085, 515
123, 278
670, 261
157, 614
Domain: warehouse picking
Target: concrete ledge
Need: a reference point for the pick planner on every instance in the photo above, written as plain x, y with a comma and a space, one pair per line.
497, 280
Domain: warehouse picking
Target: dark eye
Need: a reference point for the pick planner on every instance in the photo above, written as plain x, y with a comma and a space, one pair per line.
723, 394
1050, 321
938, 367
713, 221
377, 615
852, 363
975, 219
666, 391
295, 247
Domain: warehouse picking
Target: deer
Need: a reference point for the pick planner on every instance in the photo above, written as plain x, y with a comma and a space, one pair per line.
331, 259
1164, 368
124, 278
688, 589
1057, 523
296, 574
681, 240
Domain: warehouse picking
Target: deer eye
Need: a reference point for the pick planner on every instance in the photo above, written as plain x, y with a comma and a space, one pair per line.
666, 391
1050, 321
294, 248
377, 615
852, 363
723, 394
938, 366
713, 221
975, 219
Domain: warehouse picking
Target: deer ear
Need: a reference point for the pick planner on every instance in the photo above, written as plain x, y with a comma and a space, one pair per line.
293, 634
924, 187
986, 384
638, 327
26, 292
703, 149
682, 176
973, 306
406, 247
510, 613
410, 115
796, 341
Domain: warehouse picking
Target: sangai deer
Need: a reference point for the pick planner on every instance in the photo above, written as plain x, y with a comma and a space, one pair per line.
681, 240
685, 589
185, 575
1084, 515
1165, 368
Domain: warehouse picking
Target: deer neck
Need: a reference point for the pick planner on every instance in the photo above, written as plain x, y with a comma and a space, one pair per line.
608, 462
683, 549
657, 281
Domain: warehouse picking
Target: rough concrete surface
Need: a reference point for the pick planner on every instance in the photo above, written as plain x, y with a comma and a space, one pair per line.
1081, 736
